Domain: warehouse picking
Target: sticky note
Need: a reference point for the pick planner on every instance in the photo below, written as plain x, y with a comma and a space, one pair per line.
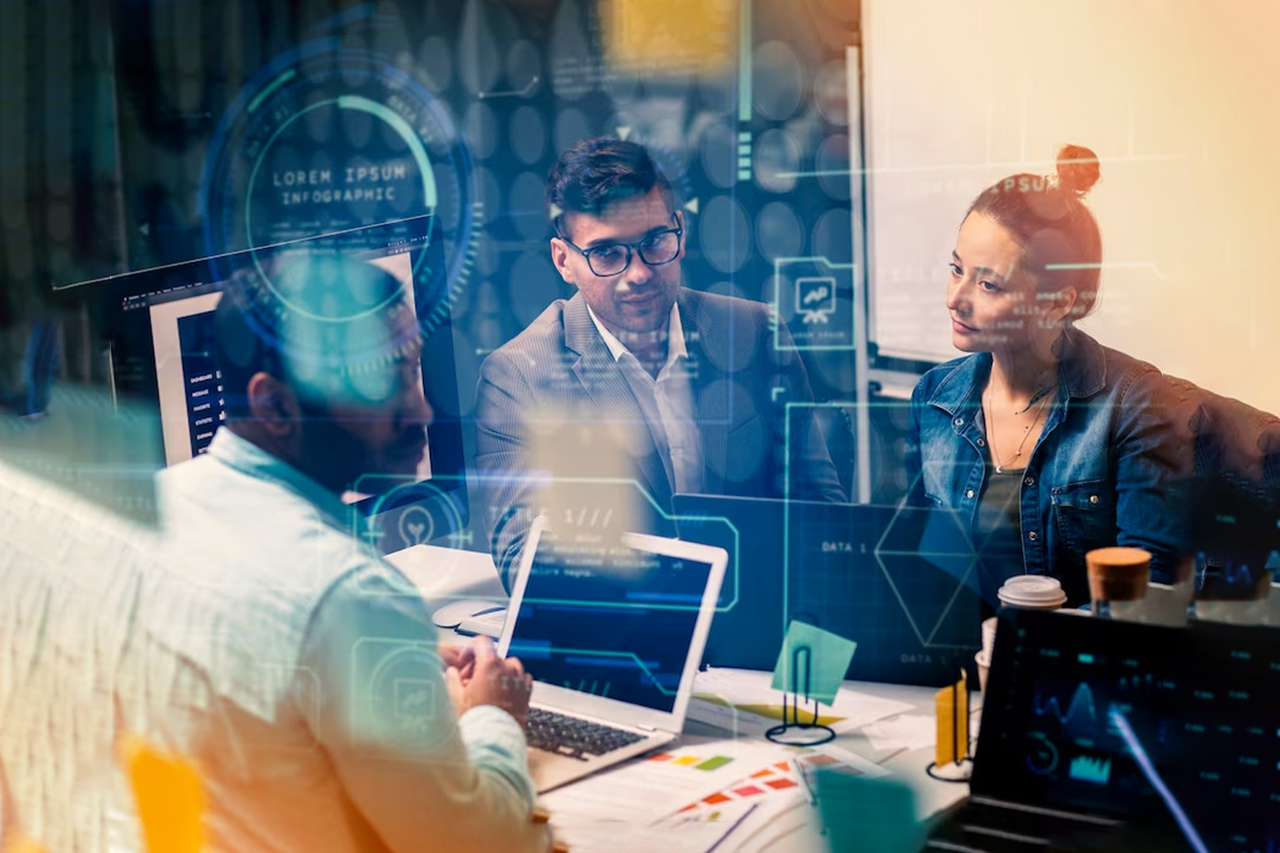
828, 658
952, 708
671, 35
868, 815
169, 795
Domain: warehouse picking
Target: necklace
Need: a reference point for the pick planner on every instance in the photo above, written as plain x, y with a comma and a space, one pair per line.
1034, 399
1044, 402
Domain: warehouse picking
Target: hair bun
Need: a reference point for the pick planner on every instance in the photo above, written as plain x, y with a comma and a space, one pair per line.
1077, 169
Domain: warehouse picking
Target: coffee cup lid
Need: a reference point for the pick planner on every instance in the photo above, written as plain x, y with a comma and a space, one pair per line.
1032, 591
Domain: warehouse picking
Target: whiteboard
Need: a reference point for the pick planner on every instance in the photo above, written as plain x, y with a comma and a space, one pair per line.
1177, 97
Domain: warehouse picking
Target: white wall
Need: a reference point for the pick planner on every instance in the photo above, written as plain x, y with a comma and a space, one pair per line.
1181, 101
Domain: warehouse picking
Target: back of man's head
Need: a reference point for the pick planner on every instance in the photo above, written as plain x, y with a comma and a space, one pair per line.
321, 322
598, 171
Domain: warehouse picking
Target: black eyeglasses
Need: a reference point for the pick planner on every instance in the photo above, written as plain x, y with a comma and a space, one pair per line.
657, 249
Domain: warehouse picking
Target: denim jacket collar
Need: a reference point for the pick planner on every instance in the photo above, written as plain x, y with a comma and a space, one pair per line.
1082, 372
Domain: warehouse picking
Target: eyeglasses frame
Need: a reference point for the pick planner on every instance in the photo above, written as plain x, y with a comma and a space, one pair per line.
633, 249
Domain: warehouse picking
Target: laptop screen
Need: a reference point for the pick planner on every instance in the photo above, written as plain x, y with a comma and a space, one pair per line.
1199, 702
609, 620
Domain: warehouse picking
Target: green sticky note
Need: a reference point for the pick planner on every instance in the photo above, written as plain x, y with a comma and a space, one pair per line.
828, 657
868, 815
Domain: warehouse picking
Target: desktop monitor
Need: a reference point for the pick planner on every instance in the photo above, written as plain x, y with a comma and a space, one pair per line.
159, 328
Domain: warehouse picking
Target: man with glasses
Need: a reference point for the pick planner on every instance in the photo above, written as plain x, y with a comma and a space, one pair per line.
637, 388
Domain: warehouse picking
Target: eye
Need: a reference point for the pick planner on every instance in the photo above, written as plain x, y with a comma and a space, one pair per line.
955, 270
609, 255
989, 286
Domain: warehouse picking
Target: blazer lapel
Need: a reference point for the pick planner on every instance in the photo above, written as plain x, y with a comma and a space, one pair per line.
711, 400
613, 402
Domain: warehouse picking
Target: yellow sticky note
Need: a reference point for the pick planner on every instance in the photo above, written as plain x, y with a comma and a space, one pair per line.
688, 759
169, 795
952, 707
671, 36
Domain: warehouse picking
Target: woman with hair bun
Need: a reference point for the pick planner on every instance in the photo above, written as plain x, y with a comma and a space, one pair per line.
1047, 443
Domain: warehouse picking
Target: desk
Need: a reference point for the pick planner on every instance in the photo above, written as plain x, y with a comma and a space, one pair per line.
445, 575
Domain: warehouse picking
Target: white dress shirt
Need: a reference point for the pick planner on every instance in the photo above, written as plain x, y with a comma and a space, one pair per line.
667, 403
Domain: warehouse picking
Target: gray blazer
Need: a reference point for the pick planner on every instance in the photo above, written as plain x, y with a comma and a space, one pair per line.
559, 432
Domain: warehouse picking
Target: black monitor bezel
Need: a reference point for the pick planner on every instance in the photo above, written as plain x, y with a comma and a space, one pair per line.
445, 494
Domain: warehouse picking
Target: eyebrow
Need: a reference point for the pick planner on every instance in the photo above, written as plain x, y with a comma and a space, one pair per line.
596, 244
979, 270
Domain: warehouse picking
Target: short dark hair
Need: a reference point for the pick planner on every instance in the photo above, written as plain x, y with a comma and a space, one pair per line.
598, 171
1060, 240
273, 319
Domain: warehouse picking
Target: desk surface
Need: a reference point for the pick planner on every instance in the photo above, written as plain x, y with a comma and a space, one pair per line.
444, 575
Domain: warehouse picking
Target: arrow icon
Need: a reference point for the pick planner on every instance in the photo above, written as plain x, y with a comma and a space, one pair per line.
623, 133
692, 206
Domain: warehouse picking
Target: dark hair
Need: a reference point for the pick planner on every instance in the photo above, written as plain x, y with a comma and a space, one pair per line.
1060, 240
598, 171
308, 320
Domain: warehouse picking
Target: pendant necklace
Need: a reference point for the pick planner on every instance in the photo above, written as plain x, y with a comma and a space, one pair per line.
1043, 396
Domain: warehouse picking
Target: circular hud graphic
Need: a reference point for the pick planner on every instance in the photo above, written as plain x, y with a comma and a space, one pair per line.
326, 140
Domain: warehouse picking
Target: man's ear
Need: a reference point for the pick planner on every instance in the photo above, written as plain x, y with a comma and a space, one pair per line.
273, 404
684, 236
560, 257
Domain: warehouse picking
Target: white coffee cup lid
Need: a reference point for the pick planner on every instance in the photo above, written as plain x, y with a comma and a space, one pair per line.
1032, 591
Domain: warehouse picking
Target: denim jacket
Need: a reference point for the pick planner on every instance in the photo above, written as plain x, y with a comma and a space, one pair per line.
1103, 471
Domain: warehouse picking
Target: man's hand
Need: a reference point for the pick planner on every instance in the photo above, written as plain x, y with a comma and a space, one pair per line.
459, 656
494, 681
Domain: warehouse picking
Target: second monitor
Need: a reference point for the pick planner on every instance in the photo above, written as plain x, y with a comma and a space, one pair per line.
901, 582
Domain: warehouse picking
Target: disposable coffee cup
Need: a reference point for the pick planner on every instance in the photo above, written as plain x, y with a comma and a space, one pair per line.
983, 660
989, 634
1118, 574
1032, 592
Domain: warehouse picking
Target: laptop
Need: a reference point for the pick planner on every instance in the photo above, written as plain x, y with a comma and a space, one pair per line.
899, 581
612, 631
1116, 736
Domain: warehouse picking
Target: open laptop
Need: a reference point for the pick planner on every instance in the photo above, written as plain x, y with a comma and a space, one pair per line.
901, 582
1115, 736
612, 633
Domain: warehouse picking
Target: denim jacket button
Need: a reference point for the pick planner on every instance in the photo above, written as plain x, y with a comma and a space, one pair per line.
959, 421
981, 443
969, 493
1032, 536
1093, 499
1030, 481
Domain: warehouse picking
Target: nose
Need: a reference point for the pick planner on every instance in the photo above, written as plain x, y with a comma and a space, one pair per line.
955, 296
422, 412
414, 408
638, 273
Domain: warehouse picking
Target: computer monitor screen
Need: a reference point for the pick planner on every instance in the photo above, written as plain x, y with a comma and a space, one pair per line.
159, 327
1197, 702
609, 620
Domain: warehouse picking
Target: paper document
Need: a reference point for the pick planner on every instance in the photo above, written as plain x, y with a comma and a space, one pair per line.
743, 701
649, 788
905, 731
780, 777
585, 835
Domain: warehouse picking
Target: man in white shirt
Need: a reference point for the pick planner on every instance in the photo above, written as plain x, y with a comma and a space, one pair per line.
637, 388
322, 714
252, 634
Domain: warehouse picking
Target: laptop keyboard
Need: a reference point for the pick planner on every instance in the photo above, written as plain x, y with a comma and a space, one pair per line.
573, 737
984, 827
